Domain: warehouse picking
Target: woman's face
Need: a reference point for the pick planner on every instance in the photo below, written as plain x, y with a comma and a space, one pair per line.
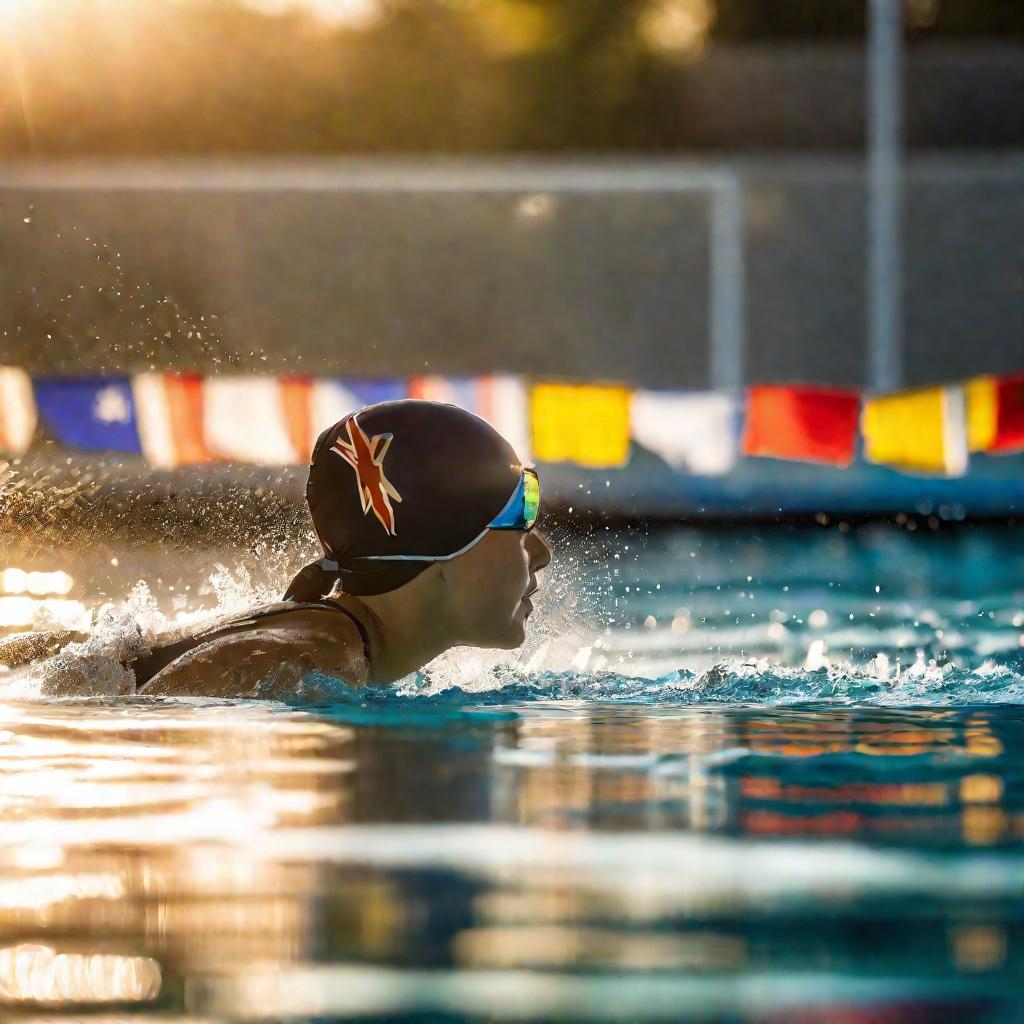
488, 588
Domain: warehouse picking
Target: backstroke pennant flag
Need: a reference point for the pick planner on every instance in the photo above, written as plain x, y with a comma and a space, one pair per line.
995, 413
460, 391
17, 411
504, 404
256, 419
1009, 414
500, 400
922, 431
331, 399
587, 424
802, 422
93, 414
695, 432
297, 408
981, 402
169, 411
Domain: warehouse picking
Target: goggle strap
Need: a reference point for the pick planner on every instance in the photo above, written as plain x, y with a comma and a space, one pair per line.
518, 494
424, 558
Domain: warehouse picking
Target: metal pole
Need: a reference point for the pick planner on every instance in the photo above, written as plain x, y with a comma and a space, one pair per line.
885, 194
728, 306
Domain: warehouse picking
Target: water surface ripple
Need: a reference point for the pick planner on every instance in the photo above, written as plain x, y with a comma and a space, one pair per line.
732, 781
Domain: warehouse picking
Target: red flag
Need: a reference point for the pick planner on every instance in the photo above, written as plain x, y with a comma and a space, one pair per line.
1009, 435
804, 422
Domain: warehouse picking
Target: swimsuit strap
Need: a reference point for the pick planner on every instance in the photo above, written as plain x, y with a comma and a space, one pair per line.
355, 620
162, 656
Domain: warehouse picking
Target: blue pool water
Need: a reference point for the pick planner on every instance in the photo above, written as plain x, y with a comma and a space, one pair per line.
759, 774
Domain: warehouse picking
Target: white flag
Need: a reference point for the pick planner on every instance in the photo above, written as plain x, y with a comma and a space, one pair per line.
500, 400
695, 432
504, 404
244, 419
330, 401
17, 411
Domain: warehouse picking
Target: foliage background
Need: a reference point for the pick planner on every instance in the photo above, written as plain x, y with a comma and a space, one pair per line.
225, 76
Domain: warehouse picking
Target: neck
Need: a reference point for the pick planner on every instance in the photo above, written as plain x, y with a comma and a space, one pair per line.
404, 634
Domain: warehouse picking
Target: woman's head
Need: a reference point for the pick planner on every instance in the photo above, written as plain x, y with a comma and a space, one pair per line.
402, 488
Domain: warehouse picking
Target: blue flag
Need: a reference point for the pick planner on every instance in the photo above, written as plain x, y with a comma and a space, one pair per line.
370, 392
96, 414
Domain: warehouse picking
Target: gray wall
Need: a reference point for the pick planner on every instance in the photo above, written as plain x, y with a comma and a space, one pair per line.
392, 268
811, 97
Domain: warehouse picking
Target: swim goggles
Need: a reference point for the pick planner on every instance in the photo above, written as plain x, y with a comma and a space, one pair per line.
523, 507
520, 513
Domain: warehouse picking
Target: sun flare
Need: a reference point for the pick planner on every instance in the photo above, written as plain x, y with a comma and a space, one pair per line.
350, 13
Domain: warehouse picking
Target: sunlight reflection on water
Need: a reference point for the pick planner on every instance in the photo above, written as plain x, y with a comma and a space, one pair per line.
740, 837
271, 862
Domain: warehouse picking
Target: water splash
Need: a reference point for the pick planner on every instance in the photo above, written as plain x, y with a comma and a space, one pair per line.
687, 616
118, 632
730, 682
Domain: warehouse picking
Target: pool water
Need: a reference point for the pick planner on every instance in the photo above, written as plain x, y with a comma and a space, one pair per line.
736, 774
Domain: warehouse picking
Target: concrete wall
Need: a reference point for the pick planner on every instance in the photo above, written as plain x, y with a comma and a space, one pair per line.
579, 269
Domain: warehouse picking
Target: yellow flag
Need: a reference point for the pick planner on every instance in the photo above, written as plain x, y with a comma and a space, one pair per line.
583, 423
922, 431
982, 409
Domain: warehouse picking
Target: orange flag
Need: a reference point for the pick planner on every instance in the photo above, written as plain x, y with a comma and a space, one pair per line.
802, 422
169, 412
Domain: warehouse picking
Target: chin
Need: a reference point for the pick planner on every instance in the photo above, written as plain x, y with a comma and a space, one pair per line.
510, 634
510, 639
513, 636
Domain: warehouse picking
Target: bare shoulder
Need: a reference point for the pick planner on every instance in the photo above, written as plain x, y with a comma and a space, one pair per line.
272, 658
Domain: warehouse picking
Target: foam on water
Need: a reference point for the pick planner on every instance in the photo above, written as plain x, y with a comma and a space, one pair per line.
728, 682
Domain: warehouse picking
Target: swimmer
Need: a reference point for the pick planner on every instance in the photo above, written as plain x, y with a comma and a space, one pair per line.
426, 520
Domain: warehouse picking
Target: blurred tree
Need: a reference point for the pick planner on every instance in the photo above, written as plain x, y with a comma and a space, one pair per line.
222, 76
765, 19
578, 82
754, 20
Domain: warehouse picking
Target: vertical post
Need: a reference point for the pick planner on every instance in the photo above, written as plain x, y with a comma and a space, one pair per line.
885, 194
728, 307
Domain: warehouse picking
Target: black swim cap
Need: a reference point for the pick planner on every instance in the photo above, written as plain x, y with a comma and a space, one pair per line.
411, 478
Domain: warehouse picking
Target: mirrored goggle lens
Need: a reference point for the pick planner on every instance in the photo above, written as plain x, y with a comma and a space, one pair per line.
523, 507
531, 498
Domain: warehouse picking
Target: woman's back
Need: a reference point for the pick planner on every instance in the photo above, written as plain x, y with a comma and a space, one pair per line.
271, 631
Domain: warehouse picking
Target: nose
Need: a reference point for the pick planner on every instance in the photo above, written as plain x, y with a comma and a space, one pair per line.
539, 550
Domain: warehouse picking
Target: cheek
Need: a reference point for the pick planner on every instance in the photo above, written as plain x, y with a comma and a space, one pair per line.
517, 585
500, 588
488, 586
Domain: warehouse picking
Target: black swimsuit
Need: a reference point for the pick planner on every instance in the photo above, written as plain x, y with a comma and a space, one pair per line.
146, 667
